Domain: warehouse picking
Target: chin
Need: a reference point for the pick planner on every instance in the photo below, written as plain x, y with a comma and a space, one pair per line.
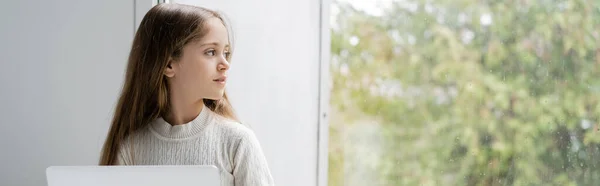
215, 97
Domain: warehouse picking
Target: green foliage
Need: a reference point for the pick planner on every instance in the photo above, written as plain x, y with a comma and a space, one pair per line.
469, 92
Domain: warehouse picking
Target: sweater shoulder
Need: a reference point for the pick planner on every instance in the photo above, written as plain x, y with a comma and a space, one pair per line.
232, 129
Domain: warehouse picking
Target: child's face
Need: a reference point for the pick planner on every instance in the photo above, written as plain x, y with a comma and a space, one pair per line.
200, 73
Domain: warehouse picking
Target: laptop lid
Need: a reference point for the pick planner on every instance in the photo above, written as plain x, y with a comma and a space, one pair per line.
133, 176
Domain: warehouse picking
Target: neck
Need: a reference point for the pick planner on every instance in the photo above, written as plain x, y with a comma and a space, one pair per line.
183, 111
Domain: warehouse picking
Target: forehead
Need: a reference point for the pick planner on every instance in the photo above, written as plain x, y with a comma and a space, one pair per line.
216, 32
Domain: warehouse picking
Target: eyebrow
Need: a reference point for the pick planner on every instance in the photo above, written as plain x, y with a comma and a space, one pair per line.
213, 43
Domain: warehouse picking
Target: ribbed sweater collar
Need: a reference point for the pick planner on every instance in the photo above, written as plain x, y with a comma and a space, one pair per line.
186, 130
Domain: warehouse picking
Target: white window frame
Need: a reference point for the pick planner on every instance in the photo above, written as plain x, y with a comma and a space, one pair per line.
324, 93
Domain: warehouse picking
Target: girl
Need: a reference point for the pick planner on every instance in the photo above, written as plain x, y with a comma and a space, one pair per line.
173, 109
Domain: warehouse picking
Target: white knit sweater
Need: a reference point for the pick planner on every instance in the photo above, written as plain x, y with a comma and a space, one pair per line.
209, 139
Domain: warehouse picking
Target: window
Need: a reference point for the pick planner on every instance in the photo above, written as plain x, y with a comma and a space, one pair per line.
469, 92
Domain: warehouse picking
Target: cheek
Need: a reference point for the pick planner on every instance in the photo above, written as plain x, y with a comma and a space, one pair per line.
198, 68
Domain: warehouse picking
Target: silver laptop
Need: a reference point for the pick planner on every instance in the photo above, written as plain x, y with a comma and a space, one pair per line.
133, 176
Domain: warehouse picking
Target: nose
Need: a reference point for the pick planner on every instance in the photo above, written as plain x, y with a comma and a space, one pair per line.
223, 65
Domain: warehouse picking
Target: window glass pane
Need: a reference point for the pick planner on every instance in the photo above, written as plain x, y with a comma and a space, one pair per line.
435, 92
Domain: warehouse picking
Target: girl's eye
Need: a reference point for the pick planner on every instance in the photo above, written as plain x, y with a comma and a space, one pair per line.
226, 54
210, 52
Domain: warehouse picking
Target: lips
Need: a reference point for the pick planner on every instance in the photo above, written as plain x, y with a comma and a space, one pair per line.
221, 79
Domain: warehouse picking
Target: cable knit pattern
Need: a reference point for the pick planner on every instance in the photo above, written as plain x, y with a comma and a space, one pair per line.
207, 140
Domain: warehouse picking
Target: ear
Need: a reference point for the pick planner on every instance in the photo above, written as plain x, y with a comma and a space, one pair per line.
169, 71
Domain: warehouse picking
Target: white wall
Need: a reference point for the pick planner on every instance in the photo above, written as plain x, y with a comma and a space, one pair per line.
274, 81
62, 66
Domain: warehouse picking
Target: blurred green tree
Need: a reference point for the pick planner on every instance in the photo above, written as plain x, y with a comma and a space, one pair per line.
467, 92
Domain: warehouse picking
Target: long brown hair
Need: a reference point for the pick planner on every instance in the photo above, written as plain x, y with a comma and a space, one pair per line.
162, 34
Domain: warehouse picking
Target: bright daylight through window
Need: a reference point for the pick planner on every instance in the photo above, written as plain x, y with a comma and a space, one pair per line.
434, 92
